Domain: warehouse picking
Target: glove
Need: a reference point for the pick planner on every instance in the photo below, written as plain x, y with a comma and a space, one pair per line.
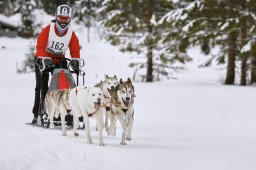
74, 64
49, 66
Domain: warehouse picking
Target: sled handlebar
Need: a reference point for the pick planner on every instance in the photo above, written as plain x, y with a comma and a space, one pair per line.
78, 72
80, 61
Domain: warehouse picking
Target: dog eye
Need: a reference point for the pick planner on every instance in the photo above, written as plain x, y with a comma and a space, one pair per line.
100, 94
93, 94
108, 83
114, 83
123, 91
130, 91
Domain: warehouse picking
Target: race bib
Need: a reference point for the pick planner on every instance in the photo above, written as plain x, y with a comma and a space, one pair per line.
56, 44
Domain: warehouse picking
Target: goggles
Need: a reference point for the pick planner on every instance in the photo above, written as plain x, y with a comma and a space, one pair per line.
63, 19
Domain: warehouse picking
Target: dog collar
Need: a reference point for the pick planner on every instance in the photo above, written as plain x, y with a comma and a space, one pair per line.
106, 97
90, 115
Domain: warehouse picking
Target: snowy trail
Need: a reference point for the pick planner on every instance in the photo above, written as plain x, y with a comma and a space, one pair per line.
185, 124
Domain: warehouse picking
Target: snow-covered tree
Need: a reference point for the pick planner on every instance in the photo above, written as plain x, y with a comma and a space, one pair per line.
51, 5
87, 13
223, 23
133, 25
28, 65
7, 7
27, 29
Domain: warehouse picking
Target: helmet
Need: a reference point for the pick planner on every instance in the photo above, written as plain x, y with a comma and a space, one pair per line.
63, 16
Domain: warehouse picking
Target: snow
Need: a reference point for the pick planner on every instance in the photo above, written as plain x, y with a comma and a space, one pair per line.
193, 122
8, 21
247, 47
225, 25
188, 26
153, 20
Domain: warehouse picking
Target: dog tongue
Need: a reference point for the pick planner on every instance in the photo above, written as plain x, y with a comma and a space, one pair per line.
96, 105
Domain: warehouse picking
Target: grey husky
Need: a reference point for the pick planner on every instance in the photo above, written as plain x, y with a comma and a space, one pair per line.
122, 109
107, 86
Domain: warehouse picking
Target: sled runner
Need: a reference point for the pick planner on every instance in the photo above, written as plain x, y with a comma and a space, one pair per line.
61, 79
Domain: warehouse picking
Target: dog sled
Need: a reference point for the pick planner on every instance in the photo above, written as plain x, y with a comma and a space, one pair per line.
61, 78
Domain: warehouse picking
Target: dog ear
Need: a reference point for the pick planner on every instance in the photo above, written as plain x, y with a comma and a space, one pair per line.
106, 76
115, 77
129, 81
121, 81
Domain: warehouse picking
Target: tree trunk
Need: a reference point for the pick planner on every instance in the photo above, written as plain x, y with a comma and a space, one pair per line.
244, 57
88, 34
243, 70
253, 69
149, 76
230, 76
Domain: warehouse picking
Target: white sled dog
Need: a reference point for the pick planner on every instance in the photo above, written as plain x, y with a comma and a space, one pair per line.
57, 102
88, 102
107, 86
121, 108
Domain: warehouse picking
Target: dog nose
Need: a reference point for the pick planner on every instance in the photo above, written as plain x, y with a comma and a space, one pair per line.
127, 98
112, 87
99, 99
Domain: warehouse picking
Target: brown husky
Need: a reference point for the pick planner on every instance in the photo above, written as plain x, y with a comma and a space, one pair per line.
121, 108
55, 102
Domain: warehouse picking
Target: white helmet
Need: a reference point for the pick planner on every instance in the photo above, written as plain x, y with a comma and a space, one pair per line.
63, 16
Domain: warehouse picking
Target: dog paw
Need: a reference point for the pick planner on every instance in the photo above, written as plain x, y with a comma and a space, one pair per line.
81, 125
102, 144
51, 126
76, 134
122, 143
64, 134
89, 141
128, 138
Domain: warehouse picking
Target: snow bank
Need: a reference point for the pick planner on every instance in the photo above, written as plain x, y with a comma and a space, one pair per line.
8, 21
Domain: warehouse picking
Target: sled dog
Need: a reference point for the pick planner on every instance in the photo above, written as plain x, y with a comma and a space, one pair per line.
88, 102
107, 86
121, 108
57, 102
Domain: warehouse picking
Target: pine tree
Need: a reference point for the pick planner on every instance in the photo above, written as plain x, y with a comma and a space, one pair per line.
27, 29
28, 65
51, 5
87, 13
7, 7
10, 7
225, 24
248, 44
133, 25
